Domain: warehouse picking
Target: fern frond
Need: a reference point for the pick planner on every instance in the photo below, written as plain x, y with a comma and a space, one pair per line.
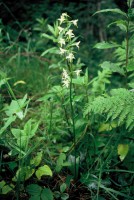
119, 106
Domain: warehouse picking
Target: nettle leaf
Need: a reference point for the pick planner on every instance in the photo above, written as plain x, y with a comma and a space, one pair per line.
47, 194
106, 45
2, 183
7, 188
34, 189
113, 67
123, 151
43, 171
115, 10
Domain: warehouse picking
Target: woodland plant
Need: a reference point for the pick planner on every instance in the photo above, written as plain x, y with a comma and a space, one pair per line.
83, 132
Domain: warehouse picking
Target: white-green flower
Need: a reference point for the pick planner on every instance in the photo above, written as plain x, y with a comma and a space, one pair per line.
78, 71
70, 34
65, 78
63, 17
60, 29
75, 22
62, 51
61, 42
70, 57
77, 44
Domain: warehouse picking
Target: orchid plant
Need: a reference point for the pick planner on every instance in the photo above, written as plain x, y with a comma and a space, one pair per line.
67, 44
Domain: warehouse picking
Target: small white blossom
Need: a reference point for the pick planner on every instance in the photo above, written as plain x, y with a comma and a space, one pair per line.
62, 51
61, 42
78, 71
65, 74
75, 22
70, 57
60, 29
77, 44
65, 78
66, 83
69, 33
63, 17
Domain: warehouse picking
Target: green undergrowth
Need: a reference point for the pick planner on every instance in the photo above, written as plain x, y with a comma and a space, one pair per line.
66, 134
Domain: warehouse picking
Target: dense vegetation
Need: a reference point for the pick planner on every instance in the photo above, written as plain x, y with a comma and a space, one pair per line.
67, 101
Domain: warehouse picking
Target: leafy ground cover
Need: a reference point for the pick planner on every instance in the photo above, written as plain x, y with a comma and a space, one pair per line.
66, 134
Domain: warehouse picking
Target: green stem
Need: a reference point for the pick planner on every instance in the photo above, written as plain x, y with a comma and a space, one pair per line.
127, 51
72, 117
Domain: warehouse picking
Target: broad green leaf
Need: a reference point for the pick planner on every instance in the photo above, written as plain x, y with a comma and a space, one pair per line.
64, 196
46, 194
34, 189
60, 161
2, 183
63, 187
113, 67
35, 198
7, 188
37, 159
115, 10
17, 133
123, 151
105, 45
7, 123
24, 173
107, 127
43, 171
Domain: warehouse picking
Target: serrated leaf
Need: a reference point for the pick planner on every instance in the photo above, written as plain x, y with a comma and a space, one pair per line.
105, 45
34, 189
2, 183
46, 194
43, 171
123, 151
7, 188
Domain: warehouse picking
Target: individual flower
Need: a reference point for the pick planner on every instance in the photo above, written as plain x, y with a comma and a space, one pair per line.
63, 18
78, 71
77, 44
70, 34
60, 29
61, 42
62, 51
75, 22
70, 57
65, 78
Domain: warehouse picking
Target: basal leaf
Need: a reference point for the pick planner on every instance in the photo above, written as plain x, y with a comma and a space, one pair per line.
123, 151
34, 189
46, 194
44, 170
